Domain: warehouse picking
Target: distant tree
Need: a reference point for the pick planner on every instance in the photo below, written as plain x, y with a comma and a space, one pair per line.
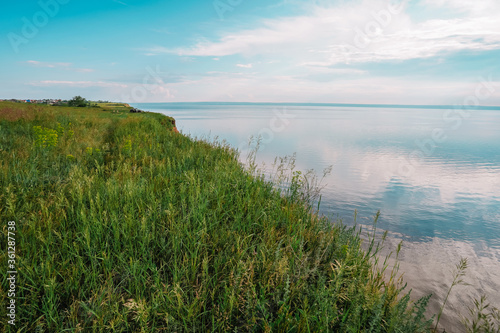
78, 101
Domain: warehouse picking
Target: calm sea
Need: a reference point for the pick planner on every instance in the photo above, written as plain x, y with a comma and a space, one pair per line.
432, 171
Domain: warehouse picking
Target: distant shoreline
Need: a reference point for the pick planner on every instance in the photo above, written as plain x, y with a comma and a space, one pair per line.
392, 106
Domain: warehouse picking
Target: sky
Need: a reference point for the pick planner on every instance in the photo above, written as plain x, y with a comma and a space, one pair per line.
324, 51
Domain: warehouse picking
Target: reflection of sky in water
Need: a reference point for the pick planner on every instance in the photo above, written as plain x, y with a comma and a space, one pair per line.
453, 193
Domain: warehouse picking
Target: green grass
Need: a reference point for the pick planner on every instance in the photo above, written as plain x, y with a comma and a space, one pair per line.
126, 226
113, 106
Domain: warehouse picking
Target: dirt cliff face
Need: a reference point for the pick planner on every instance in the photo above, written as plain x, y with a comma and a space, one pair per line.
175, 127
165, 121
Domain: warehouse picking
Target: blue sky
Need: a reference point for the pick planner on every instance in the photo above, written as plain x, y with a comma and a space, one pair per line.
372, 51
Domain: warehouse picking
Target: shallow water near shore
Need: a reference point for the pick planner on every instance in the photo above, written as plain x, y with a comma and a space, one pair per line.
434, 173
428, 267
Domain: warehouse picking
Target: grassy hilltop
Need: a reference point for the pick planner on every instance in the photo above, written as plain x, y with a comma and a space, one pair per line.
114, 106
123, 225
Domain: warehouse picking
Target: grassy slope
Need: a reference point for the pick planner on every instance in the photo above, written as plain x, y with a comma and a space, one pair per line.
124, 225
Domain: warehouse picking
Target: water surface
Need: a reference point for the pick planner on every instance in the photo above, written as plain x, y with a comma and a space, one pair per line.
433, 172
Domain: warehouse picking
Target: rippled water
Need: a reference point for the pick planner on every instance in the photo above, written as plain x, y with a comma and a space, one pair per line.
434, 173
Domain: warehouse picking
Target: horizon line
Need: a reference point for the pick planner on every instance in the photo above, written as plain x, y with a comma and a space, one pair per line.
414, 106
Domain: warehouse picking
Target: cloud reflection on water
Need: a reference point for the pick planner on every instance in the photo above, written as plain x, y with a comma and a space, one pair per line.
453, 192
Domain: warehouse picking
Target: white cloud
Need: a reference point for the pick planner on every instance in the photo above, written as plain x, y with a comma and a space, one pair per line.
301, 58
80, 84
83, 70
469, 7
428, 39
60, 65
362, 32
323, 68
357, 89
48, 64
